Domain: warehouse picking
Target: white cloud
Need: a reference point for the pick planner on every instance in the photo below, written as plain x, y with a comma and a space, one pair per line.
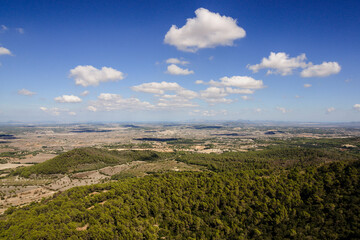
357, 107
229, 85
282, 109
176, 61
85, 93
208, 113
109, 96
20, 30
175, 102
5, 51
4, 28
26, 92
112, 102
238, 91
68, 99
51, 111
199, 82
157, 88
176, 70
239, 82
185, 93
211, 58
330, 109
72, 113
215, 95
206, 30
180, 99
213, 92
307, 85
321, 70
258, 110
167, 96
280, 63
54, 111
218, 100
91, 76
92, 108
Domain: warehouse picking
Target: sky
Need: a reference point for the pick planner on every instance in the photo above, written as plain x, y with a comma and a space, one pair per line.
136, 61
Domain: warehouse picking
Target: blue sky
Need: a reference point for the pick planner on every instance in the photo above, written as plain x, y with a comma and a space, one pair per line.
76, 61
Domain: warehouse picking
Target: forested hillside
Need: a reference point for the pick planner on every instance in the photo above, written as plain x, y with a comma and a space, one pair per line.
238, 200
275, 158
84, 159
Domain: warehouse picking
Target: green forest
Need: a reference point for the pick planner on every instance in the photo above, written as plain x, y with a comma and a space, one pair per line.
278, 193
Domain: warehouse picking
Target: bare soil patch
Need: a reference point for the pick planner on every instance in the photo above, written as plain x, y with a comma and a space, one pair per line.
25, 197
39, 158
85, 227
11, 165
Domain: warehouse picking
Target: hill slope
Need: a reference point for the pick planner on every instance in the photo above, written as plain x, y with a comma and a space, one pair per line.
85, 159
82, 159
313, 203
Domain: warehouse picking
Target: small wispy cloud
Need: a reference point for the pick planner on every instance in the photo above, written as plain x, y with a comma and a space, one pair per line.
26, 92
199, 82
113, 102
3, 28
357, 107
85, 93
92, 108
20, 30
208, 113
54, 111
330, 110
245, 98
176, 61
282, 109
